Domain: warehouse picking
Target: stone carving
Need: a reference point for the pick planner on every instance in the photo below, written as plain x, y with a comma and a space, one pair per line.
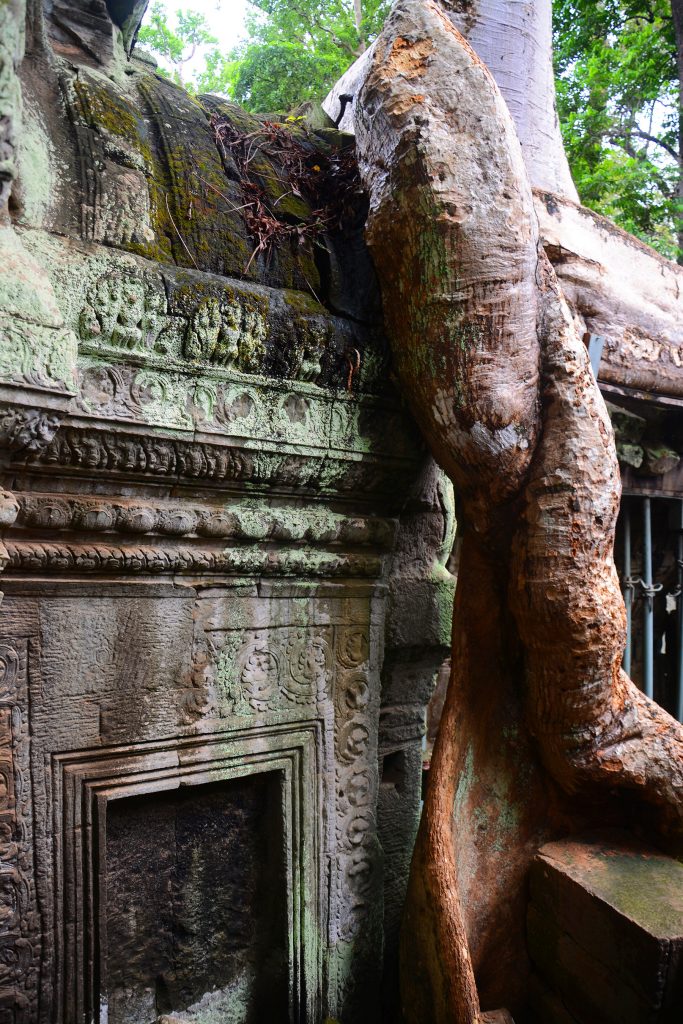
122, 216
353, 740
239, 406
356, 786
232, 335
34, 556
200, 694
163, 765
273, 668
9, 509
120, 393
258, 670
190, 400
267, 670
352, 645
115, 200
37, 354
314, 335
122, 312
207, 338
353, 692
170, 457
235, 521
194, 548
17, 969
308, 661
11, 49
28, 431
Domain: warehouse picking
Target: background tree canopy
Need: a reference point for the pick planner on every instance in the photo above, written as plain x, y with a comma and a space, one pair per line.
617, 96
617, 87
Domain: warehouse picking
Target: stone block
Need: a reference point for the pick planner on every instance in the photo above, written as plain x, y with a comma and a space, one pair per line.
548, 1008
605, 931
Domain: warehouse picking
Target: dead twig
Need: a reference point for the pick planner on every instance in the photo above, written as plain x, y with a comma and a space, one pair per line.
168, 208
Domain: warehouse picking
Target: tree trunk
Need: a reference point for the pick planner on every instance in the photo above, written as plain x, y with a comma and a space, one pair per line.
358, 17
539, 717
616, 286
515, 42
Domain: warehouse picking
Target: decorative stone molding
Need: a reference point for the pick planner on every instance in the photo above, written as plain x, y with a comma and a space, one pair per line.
231, 521
25, 431
92, 451
18, 967
93, 779
60, 558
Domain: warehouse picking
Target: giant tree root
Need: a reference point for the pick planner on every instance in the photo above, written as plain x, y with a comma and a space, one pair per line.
538, 710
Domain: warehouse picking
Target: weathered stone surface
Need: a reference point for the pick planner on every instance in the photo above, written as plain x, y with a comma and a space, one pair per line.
605, 932
210, 494
660, 459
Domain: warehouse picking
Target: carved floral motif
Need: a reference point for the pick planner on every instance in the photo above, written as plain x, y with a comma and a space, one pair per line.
356, 783
274, 669
17, 969
269, 670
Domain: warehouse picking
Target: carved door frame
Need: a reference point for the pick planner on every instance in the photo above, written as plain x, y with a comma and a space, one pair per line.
85, 782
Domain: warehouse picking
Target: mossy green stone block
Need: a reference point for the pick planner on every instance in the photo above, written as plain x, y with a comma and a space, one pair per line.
605, 929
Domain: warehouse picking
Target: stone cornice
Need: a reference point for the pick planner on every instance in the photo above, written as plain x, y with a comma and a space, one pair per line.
241, 522
73, 558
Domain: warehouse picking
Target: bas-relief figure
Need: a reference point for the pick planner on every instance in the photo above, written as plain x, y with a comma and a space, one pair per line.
225, 595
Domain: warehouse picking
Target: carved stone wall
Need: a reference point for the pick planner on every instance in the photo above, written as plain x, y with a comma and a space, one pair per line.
223, 549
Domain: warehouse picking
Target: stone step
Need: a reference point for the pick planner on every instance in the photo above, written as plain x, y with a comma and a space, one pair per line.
605, 933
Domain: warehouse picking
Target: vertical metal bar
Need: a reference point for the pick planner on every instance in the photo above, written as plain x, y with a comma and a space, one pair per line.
628, 585
648, 601
679, 610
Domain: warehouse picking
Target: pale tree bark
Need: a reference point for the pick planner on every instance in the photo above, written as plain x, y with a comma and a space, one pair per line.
358, 18
615, 285
514, 39
540, 725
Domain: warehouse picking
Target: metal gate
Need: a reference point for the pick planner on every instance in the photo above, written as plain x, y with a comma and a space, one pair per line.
649, 556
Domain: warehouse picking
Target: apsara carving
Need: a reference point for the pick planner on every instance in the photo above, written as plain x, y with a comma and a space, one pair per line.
232, 334
122, 312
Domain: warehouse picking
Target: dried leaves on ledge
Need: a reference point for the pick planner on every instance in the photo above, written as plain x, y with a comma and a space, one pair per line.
293, 188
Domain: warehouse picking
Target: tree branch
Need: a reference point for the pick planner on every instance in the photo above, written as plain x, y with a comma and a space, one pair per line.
658, 142
330, 32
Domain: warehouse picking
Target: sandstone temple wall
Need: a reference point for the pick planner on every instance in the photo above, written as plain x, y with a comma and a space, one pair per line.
224, 547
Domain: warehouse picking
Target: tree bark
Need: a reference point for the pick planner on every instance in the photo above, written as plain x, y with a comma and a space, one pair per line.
514, 39
616, 286
358, 17
538, 713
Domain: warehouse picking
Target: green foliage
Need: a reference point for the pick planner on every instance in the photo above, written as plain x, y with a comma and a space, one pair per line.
179, 45
615, 63
297, 49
